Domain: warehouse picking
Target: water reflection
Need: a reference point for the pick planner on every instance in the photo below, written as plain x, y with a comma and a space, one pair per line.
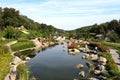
55, 63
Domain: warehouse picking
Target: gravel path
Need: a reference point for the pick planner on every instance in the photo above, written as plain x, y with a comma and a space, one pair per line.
116, 57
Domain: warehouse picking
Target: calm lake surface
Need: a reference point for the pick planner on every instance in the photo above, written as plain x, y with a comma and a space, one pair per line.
56, 64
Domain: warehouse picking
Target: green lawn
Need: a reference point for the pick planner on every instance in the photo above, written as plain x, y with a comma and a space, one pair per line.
22, 45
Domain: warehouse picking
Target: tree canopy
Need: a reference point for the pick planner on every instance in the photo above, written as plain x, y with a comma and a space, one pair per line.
12, 17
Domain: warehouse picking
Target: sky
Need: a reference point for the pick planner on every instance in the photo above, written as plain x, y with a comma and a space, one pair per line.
67, 14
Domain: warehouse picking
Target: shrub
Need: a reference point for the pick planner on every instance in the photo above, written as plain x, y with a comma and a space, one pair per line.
101, 47
114, 73
11, 32
105, 73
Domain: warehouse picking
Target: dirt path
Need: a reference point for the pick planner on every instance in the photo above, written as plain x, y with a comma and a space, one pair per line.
116, 57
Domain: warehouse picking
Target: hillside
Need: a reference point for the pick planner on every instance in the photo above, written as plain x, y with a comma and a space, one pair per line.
109, 31
11, 17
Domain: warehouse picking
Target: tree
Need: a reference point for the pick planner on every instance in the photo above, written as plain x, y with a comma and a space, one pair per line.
114, 37
10, 17
11, 32
1, 20
113, 25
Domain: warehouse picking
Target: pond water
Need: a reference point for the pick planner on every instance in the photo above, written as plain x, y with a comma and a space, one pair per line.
54, 63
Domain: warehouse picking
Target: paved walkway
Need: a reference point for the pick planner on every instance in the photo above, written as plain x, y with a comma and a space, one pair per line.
116, 57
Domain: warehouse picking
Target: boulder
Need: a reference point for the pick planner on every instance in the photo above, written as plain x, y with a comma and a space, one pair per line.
102, 60
101, 68
97, 72
82, 73
94, 57
79, 66
27, 58
83, 57
73, 51
16, 60
76, 51
87, 56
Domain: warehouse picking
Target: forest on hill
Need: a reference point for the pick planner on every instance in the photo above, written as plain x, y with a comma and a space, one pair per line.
10, 17
109, 31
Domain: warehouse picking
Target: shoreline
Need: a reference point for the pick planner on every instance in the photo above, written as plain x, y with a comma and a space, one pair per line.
39, 46
12, 75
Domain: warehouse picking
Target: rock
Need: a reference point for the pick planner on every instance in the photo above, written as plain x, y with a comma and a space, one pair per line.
97, 72
92, 79
51, 43
82, 73
73, 51
87, 56
101, 68
79, 66
82, 49
16, 60
102, 60
76, 51
83, 57
27, 58
103, 63
94, 57
89, 64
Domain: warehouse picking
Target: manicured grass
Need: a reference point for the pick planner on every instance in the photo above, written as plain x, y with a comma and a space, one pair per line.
22, 45
5, 59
